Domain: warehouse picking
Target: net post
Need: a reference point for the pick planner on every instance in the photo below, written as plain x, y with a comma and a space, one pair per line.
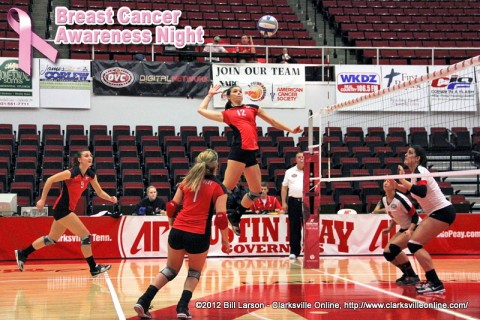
311, 204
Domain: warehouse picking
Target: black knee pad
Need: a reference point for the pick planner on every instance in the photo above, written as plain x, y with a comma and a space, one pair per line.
48, 241
394, 251
414, 247
388, 256
194, 274
87, 240
169, 273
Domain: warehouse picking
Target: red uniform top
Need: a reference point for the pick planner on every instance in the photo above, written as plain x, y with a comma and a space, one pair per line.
271, 203
73, 188
242, 121
198, 208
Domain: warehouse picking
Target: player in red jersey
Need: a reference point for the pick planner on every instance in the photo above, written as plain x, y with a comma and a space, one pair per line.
242, 158
201, 195
75, 182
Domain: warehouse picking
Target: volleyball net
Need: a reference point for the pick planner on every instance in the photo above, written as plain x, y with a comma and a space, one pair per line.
361, 140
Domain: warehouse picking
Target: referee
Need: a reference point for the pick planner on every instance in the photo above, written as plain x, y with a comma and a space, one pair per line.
292, 198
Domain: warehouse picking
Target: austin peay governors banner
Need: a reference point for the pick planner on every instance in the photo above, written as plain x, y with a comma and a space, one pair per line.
263, 235
152, 79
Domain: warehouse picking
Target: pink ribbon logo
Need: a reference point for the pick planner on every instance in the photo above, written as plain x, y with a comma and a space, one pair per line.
27, 39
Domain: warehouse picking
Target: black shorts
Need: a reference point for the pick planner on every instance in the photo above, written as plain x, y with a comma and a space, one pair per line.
249, 157
446, 214
60, 213
191, 242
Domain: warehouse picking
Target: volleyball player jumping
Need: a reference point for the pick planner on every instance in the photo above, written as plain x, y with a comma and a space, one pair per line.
242, 157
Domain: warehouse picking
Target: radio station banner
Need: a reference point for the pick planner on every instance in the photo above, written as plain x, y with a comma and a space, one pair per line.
266, 85
65, 84
17, 89
262, 235
453, 92
152, 79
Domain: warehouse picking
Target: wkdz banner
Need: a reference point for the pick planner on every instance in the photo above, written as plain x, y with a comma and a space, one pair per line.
152, 79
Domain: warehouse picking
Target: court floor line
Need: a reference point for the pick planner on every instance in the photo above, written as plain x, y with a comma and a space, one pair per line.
453, 313
116, 301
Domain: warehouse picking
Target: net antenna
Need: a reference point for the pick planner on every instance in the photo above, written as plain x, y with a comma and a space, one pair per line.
437, 110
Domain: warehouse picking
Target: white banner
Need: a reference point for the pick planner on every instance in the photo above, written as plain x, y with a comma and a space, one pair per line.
455, 92
267, 85
262, 235
353, 81
411, 99
17, 89
65, 84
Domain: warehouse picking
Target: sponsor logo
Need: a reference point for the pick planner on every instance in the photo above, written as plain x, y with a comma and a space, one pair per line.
257, 91
117, 77
358, 83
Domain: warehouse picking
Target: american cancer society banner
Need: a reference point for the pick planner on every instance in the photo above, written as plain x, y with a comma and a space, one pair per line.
65, 84
269, 86
152, 79
17, 89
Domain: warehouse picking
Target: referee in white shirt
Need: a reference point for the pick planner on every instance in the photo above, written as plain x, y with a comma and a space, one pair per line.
292, 202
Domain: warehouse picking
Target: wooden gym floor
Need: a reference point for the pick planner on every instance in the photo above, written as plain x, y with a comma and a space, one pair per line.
241, 288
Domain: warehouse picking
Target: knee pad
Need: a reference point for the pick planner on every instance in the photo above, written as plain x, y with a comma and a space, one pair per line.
86, 241
414, 247
48, 241
253, 195
194, 274
394, 251
169, 273
388, 256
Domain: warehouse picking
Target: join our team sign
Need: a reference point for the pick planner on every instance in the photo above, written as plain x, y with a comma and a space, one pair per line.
266, 85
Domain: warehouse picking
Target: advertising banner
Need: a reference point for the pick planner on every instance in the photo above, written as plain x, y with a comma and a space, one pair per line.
267, 85
65, 84
150, 79
18, 89
262, 235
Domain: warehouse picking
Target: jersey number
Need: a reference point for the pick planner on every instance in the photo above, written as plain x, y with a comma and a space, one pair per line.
241, 113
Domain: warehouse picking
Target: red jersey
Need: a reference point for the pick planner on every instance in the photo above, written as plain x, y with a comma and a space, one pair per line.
242, 121
271, 204
198, 207
73, 188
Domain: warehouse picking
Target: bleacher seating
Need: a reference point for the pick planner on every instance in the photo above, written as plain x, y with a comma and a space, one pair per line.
414, 24
128, 170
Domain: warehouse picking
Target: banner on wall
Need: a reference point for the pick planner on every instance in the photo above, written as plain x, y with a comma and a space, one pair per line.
150, 79
267, 85
354, 81
262, 235
453, 92
17, 89
65, 84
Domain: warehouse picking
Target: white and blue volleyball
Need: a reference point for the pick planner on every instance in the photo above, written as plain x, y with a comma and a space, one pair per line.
267, 25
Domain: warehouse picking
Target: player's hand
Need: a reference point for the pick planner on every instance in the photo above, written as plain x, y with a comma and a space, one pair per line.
113, 199
226, 246
40, 204
297, 129
215, 89
401, 170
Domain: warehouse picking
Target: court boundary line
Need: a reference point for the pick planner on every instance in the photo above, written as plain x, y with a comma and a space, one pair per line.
115, 300
450, 312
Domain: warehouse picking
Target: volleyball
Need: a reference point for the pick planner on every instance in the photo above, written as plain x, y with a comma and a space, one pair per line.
267, 25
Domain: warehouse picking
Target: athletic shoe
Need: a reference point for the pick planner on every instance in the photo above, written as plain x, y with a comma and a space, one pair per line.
100, 268
182, 313
407, 280
142, 309
292, 256
21, 259
420, 285
430, 288
234, 219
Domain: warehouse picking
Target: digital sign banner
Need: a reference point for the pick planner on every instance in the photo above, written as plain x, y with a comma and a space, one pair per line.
150, 79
